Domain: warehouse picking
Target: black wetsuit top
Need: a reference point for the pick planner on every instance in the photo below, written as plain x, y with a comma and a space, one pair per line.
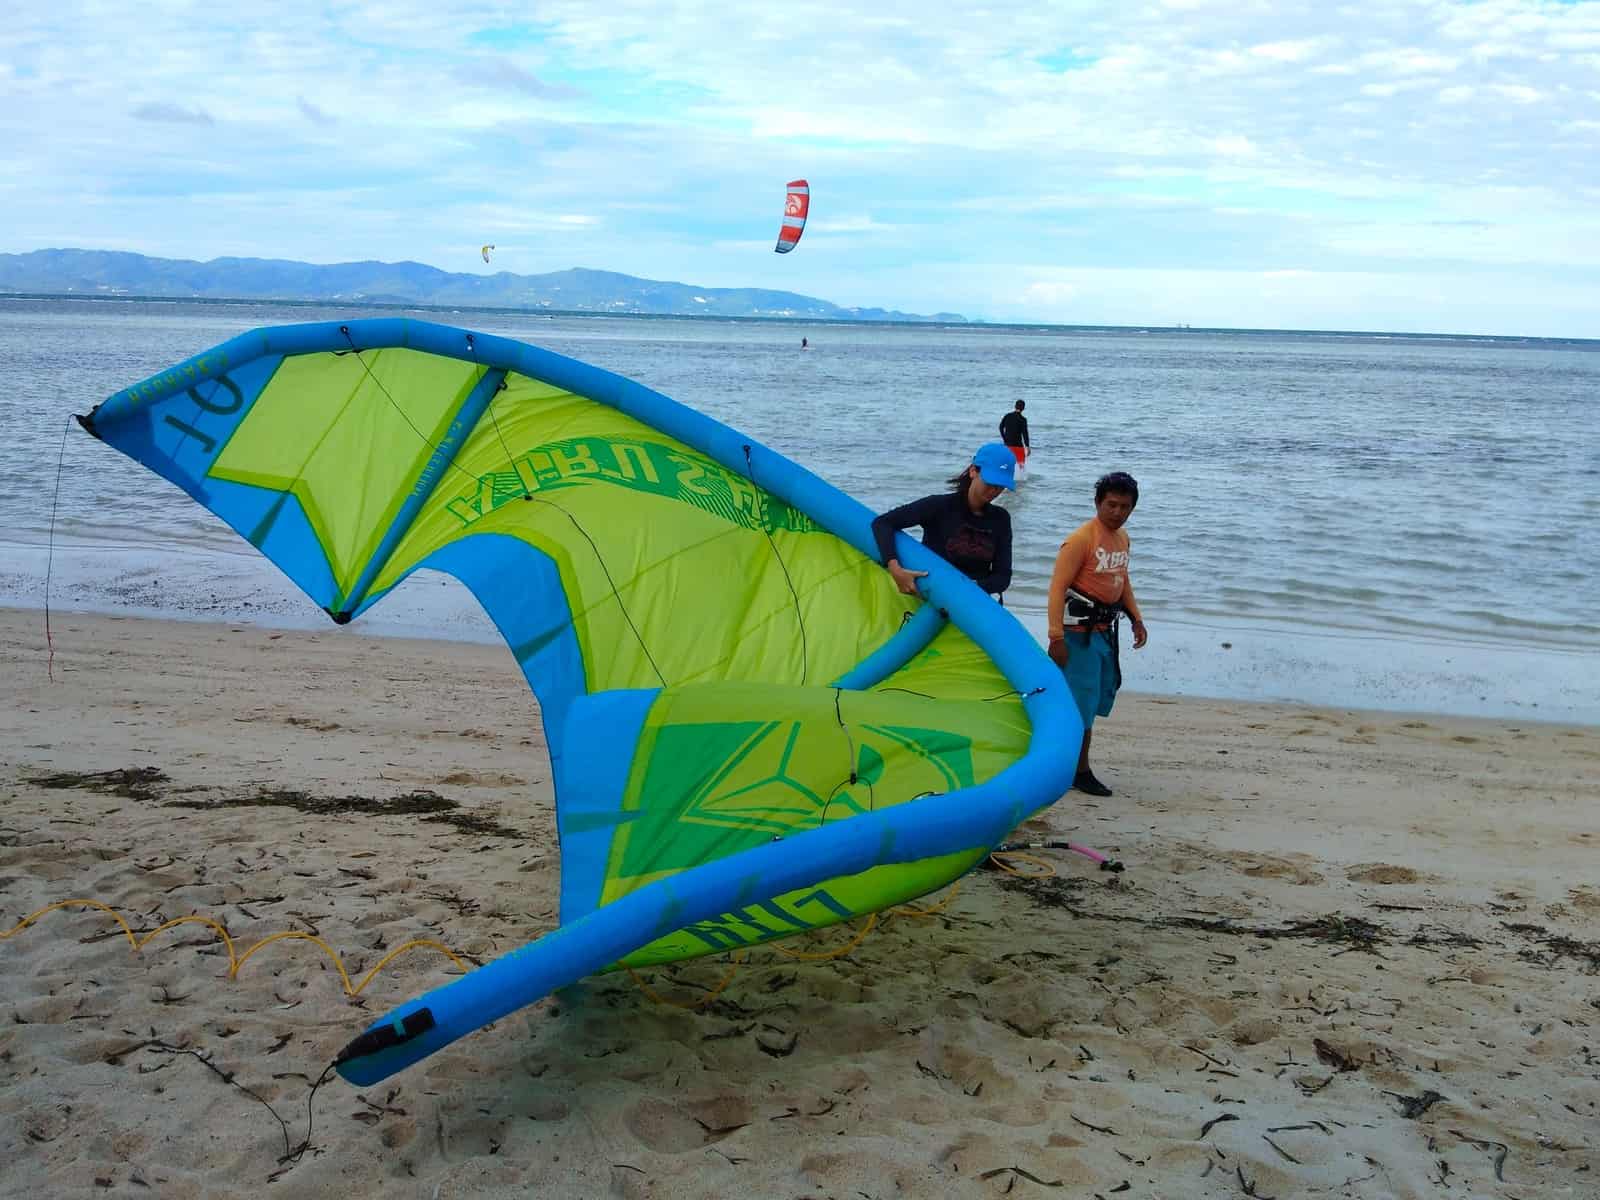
1014, 429
976, 544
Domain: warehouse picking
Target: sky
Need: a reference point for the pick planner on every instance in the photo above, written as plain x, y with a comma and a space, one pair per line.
1414, 165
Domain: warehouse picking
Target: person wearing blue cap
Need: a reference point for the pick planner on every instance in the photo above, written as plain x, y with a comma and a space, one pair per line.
962, 526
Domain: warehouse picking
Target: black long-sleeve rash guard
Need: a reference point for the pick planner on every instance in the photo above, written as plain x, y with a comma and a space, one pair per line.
976, 544
1014, 429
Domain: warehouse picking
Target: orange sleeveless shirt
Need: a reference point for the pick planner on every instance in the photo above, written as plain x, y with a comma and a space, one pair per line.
1104, 574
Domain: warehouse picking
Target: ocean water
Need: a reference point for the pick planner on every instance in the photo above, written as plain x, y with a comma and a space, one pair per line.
1351, 519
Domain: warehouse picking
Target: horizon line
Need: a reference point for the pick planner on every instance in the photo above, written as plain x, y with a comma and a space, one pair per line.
964, 323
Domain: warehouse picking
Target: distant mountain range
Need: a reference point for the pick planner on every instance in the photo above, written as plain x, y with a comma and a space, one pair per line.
118, 273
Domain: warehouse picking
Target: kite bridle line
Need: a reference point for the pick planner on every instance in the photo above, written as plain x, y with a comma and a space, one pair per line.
799, 616
472, 348
50, 555
526, 494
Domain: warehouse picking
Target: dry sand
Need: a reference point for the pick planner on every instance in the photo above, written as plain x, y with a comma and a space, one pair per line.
1353, 954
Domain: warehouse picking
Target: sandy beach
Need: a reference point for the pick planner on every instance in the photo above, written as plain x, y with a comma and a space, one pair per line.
1352, 954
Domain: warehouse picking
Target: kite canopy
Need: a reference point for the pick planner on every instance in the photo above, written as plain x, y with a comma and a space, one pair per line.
753, 733
795, 207
484, 250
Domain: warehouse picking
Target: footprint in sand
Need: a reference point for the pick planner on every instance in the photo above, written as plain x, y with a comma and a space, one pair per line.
1584, 897
1381, 873
310, 723
476, 779
1259, 866
663, 1128
668, 1129
547, 1108
1254, 1031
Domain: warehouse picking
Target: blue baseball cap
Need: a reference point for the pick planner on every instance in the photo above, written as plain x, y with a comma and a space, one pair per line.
996, 465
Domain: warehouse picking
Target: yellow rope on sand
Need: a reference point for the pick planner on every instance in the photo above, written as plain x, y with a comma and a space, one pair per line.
235, 961
999, 858
801, 956
909, 910
687, 1004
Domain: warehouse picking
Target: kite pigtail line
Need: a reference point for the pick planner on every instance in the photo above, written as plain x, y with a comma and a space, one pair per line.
299, 1152
1012, 692
799, 616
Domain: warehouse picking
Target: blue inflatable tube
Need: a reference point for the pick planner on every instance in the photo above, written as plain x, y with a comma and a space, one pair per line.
932, 826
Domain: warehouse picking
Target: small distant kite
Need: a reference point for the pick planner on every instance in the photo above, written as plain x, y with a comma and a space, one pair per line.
485, 252
795, 207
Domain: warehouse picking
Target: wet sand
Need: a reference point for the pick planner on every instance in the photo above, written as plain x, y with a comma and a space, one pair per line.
1353, 954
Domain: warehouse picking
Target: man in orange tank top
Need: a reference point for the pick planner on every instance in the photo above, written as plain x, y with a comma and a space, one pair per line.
1089, 591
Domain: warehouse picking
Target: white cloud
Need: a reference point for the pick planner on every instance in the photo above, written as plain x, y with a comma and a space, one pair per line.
647, 135
1050, 296
1408, 61
1289, 52
495, 71
1576, 40
1517, 93
1235, 145
177, 114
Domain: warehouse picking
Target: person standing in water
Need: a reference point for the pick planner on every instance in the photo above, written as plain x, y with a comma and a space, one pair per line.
1014, 432
1089, 592
962, 526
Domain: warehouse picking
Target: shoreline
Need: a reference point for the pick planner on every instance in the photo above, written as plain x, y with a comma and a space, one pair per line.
466, 631
1380, 931
1317, 666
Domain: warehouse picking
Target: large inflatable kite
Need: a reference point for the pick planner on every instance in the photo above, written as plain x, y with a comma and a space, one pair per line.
753, 734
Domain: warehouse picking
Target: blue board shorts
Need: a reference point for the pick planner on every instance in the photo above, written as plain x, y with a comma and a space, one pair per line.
1091, 673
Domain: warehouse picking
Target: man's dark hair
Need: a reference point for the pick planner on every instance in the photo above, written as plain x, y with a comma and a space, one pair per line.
1117, 481
1021, 404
